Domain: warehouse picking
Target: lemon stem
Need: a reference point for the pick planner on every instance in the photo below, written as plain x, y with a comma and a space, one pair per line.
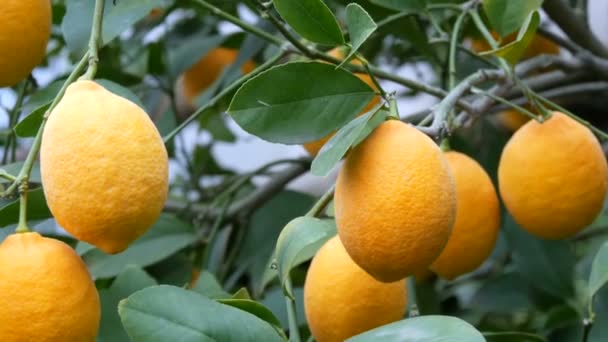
322, 203
412, 310
445, 145
294, 332
95, 40
22, 226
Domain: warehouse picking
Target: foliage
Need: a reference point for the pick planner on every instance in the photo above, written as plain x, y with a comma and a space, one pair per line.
227, 249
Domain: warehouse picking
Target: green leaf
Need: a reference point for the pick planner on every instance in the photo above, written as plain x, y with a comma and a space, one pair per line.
299, 241
513, 51
117, 18
131, 279
263, 231
208, 286
14, 169
299, 102
408, 6
167, 236
513, 336
254, 308
36, 208
121, 91
506, 293
312, 19
507, 16
162, 313
423, 329
360, 27
547, 265
274, 299
599, 270
190, 51
346, 138
28, 127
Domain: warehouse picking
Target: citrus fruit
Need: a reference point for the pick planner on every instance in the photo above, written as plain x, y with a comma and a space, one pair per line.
395, 202
553, 177
46, 292
511, 119
203, 73
341, 300
314, 147
477, 219
104, 167
24, 33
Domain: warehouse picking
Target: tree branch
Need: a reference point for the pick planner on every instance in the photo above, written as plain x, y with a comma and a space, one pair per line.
574, 26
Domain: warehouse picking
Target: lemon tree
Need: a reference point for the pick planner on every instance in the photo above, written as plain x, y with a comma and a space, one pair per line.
452, 154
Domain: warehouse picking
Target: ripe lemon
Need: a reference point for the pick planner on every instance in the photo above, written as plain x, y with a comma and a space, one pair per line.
553, 177
24, 33
511, 119
202, 75
477, 219
104, 167
341, 300
314, 147
46, 292
395, 202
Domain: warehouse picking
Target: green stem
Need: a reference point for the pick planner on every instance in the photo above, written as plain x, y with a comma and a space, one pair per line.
294, 332
504, 101
322, 203
95, 40
488, 37
246, 27
216, 227
454, 49
11, 142
7, 176
411, 298
22, 225
374, 80
213, 101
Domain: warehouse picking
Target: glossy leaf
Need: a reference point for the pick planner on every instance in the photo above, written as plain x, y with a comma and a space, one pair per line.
167, 236
118, 17
312, 19
360, 26
347, 137
423, 329
162, 313
299, 102
131, 279
507, 16
599, 270
513, 51
408, 6
299, 241
254, 308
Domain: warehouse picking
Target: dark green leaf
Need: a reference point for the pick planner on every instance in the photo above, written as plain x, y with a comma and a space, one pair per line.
507, 16
117, 18
599, 270
547, 265
423, 329
360, 27
505, 293
131, 279
275, 301
263, 231
36, 208
312, 19
167, 236
163, 313
299, 102
347, 137
190, 51
408, 6
28, 127
299, 241
513, 336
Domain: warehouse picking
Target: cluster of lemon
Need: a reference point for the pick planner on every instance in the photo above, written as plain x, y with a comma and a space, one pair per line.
104, 171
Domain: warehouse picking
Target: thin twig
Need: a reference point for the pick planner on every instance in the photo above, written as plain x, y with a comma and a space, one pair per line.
95, 40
